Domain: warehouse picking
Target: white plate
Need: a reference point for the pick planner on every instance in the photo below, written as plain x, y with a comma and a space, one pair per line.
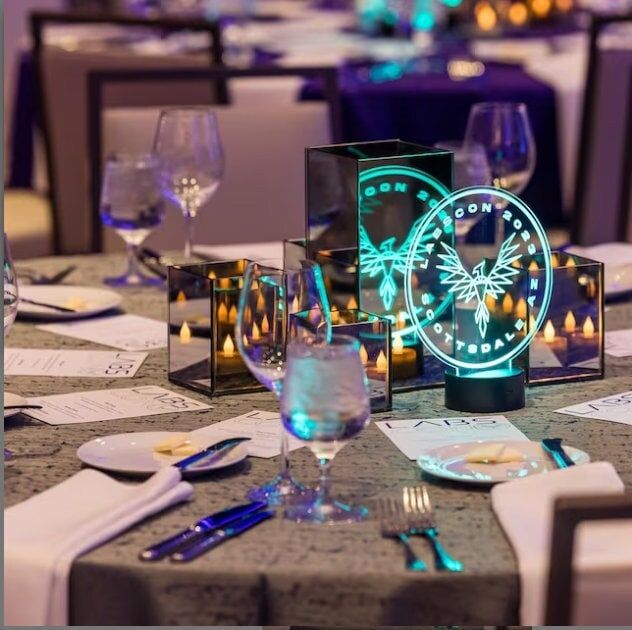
617, 260
13, 399
133, 454
94, 300
448, 462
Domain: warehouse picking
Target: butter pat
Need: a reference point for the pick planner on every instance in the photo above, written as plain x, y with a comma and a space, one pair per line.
493, 454
177, 444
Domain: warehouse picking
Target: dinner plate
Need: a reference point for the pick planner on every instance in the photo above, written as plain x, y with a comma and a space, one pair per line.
448, 462
13, 399
87, 300
133, 454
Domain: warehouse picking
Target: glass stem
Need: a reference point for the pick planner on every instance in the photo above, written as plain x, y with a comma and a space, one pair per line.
188, 235
133, 270
284, 464
325, 481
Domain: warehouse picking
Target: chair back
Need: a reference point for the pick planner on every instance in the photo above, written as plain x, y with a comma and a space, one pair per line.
603, 210
264, 130
67, 47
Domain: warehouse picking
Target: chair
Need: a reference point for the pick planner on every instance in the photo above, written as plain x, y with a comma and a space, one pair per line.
62, 67
603, 210
262, 195
563, 603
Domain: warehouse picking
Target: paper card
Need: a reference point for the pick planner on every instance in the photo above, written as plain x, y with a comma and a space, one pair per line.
111, 404
414, 437
79, 363
618, 343
127, 332
263, 427
615, 408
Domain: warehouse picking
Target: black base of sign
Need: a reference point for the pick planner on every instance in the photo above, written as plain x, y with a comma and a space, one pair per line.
489, 391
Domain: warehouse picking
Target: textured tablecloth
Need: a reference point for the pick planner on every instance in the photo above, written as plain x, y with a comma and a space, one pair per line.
283, 573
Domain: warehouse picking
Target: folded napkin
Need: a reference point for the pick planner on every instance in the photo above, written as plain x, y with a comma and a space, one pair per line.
43, 535
525, 510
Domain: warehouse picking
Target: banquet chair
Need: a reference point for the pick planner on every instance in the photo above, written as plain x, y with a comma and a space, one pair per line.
603, 202
565, 605
264, 130
66, 48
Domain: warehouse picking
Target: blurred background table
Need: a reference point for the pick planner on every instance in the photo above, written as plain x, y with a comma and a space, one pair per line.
283, 573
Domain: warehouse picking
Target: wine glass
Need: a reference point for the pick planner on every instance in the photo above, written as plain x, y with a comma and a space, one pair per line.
471, 168
504, 131
190, 149
266, 301
325, 403
10, 282
132, 204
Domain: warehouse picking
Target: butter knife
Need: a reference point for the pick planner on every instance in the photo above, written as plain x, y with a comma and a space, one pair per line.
212, 453
232, 530
553, 448
197, 530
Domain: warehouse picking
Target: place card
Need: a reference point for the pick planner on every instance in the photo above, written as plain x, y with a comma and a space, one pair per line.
79, 363
262, 427
111, 404
614, 408
619, 343
126, 332
414, 437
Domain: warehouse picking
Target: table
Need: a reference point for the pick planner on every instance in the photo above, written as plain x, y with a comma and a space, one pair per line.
283, 573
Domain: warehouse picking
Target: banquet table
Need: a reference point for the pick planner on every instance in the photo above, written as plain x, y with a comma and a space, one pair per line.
284, 573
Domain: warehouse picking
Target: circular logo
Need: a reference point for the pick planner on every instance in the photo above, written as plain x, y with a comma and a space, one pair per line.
497, 295
393, 201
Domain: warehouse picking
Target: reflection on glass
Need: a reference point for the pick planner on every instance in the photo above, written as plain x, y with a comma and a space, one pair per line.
10, 284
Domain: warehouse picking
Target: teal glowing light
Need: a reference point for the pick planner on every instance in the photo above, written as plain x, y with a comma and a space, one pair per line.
424, 21
525, 237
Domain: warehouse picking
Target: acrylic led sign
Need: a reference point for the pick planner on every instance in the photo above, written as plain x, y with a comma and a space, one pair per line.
476, 337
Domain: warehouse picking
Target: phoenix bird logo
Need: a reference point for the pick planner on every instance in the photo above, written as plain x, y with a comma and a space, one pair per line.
387, 260
465, 285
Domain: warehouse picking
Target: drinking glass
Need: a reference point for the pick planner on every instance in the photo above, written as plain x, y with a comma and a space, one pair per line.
266, 301
190, 149
325, 403
132, 204
471, 168
10, 283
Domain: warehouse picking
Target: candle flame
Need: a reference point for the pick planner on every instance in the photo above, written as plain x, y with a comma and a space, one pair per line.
570, 322
401, 320
571, 262
485, 16
224, 283
533, 266
229, 347
588, 328
232, 314
508, 303
364, 355
398, 345
261, 302
295, 305
185, 333
212, 275
265, 326
555, 260
256, 335
521, 308
381, 364
352, 303
518, 13
549, 332
335, 316
181, 297
490, 301
244, 339
222, 312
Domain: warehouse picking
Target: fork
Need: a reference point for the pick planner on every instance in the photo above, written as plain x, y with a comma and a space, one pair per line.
39, 278
393, 525
421, 521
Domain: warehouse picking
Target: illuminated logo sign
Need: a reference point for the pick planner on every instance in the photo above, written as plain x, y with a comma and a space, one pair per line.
476, 332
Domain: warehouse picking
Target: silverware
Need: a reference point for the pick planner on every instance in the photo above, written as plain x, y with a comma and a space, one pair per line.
197, 530
393, 524
421, 520
553, 448
54, 307
22, 407
38, 278
211, 454
234, 529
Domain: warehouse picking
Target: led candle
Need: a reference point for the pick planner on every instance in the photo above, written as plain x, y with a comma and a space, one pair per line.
222, 314
295, 306
588, 329
404, 360
352, 303
401, 320
181, 298
570, 323
265, 326
381, 364
549, 332
490, 301
521, 308
533, 266
364, 355
224, 283
228, 349
508, 304
232, 314
229, 361
256, 335
261, 302
185, 333
555, 261
559, 345
211, 275
335, 316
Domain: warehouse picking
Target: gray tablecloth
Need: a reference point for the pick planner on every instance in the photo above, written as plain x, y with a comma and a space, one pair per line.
283, 573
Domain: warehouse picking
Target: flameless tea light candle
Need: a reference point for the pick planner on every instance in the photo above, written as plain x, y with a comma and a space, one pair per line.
559, 345
181, 298
232, 314
404, 360
352, 304
185, 333
570, 323
381, 364
364, 355
295, 305
400, 322
521, 308
508, 304
228, 360
222, 313
265, 326
588, 329
490, 301
256, 334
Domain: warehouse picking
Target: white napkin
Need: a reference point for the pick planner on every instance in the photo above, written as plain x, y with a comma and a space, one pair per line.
44, 534
525, 510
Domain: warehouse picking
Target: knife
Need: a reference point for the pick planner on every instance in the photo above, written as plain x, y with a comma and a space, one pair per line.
553, 447
232, 530
54, 307
197, 530
214, 453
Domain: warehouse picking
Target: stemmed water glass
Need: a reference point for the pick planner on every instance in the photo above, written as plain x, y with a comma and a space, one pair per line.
325, 403
267, 299
10, 285
190, 149
132, 204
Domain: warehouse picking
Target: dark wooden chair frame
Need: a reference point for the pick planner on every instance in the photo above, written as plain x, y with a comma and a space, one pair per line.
97, 81
41, 19
569, 513
586, 130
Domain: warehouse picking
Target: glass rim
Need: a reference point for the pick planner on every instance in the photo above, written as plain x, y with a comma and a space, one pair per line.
499, 105
188, 109
338, 346
128, 158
